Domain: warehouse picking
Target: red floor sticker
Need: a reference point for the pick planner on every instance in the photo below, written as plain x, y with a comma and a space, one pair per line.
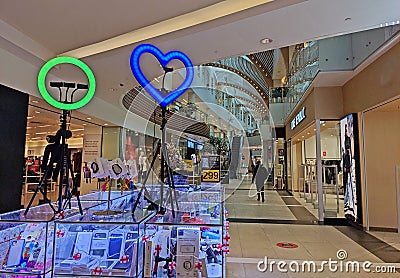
286, 245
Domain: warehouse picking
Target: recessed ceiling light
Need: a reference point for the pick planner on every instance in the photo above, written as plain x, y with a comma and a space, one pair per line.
265, 40
30, 117
37, 112
84, 124
88, 118
35, 101
28, 127
105, 124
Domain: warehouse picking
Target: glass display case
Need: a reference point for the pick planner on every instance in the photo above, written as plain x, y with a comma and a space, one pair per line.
103, 195
26, 241
104, 241
192, 243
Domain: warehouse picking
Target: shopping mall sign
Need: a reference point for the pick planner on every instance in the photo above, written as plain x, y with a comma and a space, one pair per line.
298, 119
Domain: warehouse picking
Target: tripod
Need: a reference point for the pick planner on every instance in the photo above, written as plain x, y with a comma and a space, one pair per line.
166, 171
166, 174
61, 157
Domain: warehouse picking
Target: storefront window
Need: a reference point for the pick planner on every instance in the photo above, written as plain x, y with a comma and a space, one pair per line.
332, 186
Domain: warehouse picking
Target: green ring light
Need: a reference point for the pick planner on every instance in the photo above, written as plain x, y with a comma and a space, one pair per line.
66, 60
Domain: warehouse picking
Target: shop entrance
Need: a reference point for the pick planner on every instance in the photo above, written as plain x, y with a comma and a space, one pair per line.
381, 137
302, 180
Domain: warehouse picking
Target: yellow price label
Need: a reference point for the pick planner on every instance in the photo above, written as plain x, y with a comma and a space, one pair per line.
210, 176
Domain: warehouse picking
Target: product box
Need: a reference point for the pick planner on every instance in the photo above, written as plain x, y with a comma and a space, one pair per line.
105, 241
187, 251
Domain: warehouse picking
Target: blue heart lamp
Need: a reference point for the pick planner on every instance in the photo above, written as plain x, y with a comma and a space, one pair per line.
162, 98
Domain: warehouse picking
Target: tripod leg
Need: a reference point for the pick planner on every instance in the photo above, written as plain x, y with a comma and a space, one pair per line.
143, 189
137, 200
171, 185
39, 187
170, 188
33, 198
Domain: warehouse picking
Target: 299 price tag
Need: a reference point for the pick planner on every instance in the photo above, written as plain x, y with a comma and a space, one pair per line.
210, 176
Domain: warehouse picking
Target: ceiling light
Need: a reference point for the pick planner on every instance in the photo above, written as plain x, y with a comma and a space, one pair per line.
88, 118
38, 133
105, 124
265, 40
28, 127
37, 112
84, 124
30, 117
35, 101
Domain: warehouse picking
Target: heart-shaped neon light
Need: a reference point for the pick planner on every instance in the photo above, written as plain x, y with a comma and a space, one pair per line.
164, 59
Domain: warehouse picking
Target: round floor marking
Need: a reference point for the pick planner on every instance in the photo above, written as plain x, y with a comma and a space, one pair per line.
287, 245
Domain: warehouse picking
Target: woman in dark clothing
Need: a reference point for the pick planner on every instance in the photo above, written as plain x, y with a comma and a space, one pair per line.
259, 176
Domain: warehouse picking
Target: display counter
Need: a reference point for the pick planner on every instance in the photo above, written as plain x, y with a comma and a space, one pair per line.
26, 241
190, 245
104, 241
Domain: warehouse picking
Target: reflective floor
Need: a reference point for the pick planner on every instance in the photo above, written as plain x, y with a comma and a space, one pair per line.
256, 228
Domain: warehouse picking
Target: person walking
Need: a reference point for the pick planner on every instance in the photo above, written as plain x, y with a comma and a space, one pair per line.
259, 176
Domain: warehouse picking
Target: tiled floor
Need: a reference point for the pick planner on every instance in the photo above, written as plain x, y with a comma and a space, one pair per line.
250, 243
255, 233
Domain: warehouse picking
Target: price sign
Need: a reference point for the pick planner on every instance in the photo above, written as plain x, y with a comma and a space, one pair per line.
210, 176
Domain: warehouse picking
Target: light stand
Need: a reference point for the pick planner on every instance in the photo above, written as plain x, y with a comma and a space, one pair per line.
166, 171
63, 156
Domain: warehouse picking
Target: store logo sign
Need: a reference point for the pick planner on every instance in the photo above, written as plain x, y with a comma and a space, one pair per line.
298, 119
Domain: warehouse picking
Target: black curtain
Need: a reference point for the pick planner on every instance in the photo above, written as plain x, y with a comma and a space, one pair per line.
13, 113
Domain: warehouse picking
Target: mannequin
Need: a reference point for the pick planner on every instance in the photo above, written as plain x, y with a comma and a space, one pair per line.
142, 166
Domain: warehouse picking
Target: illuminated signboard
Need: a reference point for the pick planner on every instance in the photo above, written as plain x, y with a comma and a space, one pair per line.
298, 118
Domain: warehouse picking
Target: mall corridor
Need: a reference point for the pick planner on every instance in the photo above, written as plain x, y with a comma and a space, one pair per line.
257, 228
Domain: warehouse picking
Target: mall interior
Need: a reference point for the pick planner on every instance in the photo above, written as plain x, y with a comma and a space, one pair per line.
281, 150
